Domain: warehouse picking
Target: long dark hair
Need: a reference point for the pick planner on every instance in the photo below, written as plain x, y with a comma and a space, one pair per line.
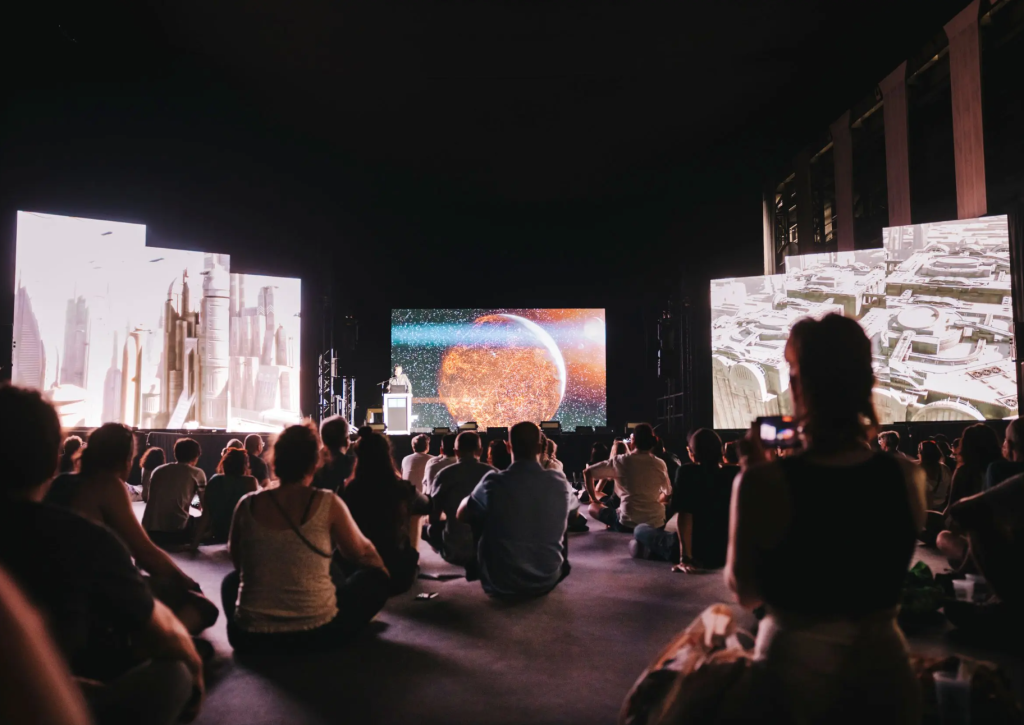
69, 454
110, 448
706, 447
930, 456
979, 446
498, 455
234, 462
834, 380
373, 459
295, 453
152, 458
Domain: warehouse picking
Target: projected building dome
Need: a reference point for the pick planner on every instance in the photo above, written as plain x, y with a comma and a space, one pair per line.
509, 369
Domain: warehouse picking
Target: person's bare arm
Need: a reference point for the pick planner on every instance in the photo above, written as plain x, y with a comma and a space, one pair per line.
349, 539
917, 485
760, 513
118, 514
166, 637
235, 534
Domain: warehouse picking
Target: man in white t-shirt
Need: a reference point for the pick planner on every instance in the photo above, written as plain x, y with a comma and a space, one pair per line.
414, 464
171, 490
641, 483
436, 465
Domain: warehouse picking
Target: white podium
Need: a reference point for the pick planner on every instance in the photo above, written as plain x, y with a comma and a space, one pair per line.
397, 413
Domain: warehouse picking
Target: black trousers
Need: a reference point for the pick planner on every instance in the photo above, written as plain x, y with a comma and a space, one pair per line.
360, 596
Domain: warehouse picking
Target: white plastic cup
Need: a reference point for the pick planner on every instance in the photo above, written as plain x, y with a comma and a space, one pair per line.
964, 590
954, 699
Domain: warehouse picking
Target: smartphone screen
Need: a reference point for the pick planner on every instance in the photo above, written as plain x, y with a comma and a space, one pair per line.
777, 431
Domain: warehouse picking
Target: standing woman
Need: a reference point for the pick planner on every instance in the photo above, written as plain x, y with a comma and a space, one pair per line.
829, 639
152, 459
284, 595
99, 493
384, 506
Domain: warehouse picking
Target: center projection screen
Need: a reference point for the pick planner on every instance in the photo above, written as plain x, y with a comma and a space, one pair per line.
499, 367
935, 302
111, 330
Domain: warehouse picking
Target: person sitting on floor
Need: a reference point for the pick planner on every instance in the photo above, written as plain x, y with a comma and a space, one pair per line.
549, 457
641, 484
784, 511
519, 518
414, 464
992, 523
151, 460
283, 595
98, 492
937, 477
670, 459
452, 538
889, 441
1013, 451
69, 454
338, 462
700, 495
172, 488
385, 508
979, 448
223, 492
439, 463
135, 661
233, 443
254, 447
498, 456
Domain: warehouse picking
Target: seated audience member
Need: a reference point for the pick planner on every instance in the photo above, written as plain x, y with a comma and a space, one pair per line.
549, 458
605, 487
731, 453
520, 515
1013, 451
947, 451
783, 512
35, 683
670, 459
151, 460
498, 456
439, 463
889, 441
69, 454
223, 492
139, 660
254, 447
452, 538
993, 524
338, 462
700, 495
414, 464
281, 596
172, 487
641, 484
98, 492
385, 508
937, 476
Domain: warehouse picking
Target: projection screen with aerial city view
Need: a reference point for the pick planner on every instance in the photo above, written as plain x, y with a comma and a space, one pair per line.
935, 301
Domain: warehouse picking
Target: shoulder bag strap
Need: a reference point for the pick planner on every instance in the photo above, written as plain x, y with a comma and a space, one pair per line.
312, 547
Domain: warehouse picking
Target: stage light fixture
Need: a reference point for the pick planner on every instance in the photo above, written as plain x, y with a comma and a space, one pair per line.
551, 427
374, 415
585, 429
377, 427
441, 431
630, 427
498, 431
470, 425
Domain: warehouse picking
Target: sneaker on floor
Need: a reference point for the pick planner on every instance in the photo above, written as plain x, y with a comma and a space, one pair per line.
638, 550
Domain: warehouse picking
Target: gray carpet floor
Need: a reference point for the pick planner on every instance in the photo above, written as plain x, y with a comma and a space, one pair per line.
569, 657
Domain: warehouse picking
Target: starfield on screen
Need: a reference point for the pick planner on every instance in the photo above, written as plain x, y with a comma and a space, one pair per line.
499, 367
113, 331
935, 301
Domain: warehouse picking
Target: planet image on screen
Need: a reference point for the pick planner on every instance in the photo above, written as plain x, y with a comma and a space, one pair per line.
507, 370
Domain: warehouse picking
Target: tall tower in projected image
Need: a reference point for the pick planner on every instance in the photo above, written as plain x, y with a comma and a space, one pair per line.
214, 342
267, 353
74, 368
29, 352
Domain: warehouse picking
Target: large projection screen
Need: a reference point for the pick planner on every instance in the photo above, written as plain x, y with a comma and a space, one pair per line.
500, 367
114, 331
935, 301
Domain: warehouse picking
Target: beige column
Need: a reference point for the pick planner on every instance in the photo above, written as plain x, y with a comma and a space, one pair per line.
842, 162
968, 133
897, 154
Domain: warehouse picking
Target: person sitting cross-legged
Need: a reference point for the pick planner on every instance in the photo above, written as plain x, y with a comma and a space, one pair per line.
338, 460
134, 660
223, 492
284, 595
450, 537
440, 462
519, 516
172, 488
641, 484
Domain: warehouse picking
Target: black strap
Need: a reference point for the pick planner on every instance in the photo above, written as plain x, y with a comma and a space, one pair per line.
312, 547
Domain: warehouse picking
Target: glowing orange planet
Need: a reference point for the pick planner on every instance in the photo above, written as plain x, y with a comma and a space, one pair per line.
508, 371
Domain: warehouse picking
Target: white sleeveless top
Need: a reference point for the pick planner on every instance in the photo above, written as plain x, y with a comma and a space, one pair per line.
285, 586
